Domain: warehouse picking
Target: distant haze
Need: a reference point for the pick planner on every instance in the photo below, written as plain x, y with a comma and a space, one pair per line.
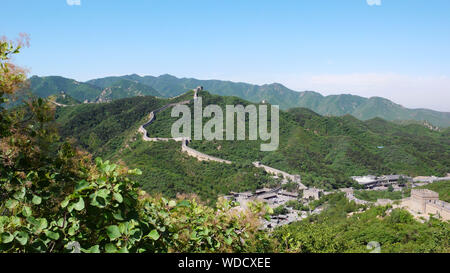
432, 92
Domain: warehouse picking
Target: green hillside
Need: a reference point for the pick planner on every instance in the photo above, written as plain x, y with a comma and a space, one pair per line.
46, 86
117, 89
110, 88
326, 151
334, 105
110, 130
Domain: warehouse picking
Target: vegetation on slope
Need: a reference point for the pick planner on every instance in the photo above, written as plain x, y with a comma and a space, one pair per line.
125, 89
373, 196
47, 86
333, 231
335, 105
110, 130
327, 151
55, 199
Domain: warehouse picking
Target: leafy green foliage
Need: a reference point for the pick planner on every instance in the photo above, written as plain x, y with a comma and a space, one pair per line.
374, 195
297, 205
280, 210
107, 213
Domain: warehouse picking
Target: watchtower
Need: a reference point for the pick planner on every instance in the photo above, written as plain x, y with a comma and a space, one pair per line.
420, 198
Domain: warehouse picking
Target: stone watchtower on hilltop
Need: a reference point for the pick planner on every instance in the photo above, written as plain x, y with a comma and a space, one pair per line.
196, 91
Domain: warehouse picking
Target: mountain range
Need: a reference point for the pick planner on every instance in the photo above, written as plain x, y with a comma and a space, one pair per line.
111, 88
325, 151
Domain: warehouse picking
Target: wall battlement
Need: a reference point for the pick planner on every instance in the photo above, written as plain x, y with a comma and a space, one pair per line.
200, 156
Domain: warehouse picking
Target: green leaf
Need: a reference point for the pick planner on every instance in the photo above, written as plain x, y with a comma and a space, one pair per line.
103, 193
118, 215
39, 224
83, 184
20, 194
110, 248
98, 161
52, 235
228, 240
11, 203
26, 211
123, 250
154, 235
123, 228
118, 197
22, 237
94, 249
36, 200
64, 203
113, 232
7, 237
79, 205
172, 203
72, 230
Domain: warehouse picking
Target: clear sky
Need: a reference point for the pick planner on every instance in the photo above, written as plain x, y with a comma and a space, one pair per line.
398, 49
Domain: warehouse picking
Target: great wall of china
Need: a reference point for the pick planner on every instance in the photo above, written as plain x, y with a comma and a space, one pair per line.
184, 141
204, 157
421, 204
285, 175
200, 156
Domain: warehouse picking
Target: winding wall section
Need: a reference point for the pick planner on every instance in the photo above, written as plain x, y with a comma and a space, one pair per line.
204, 157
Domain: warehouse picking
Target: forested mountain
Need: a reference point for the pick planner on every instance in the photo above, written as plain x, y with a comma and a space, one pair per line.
325, 151
46, 86
110, 130
117, 89
170, 86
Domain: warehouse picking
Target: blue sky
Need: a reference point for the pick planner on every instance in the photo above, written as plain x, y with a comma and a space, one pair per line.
398, 49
